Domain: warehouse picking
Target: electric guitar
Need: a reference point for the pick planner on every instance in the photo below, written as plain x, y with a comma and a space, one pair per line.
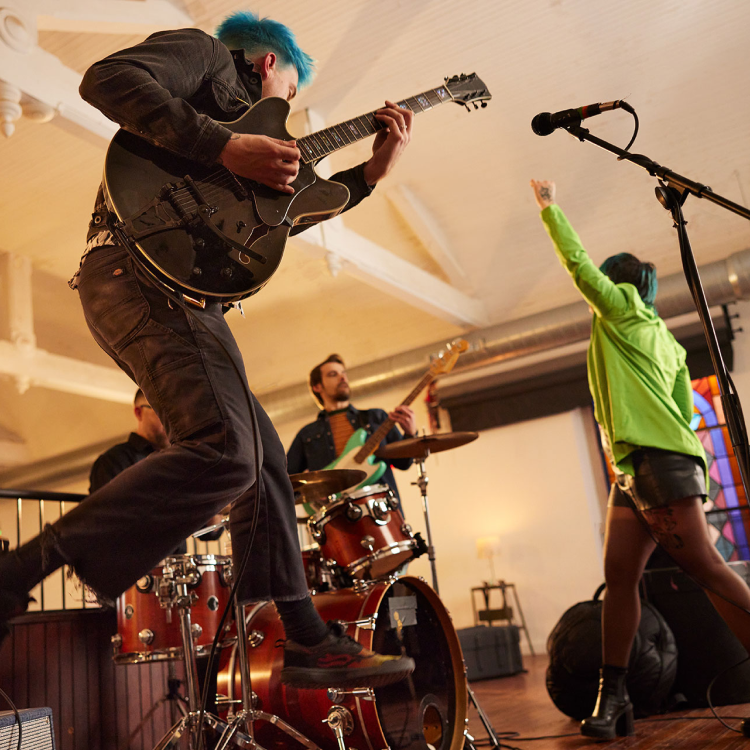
210, 234
359, 449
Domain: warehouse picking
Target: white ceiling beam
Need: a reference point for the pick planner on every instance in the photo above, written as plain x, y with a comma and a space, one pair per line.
422, 223
382, 269
347, 251
110, 16
41, 76
41, 368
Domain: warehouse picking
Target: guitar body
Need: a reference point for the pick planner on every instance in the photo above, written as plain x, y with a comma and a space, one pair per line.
374, 467
201, 229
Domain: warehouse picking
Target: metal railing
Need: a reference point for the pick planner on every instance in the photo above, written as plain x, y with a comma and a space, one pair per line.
23, 515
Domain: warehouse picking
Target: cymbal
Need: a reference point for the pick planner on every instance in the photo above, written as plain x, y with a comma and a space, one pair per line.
421, 447
310, 486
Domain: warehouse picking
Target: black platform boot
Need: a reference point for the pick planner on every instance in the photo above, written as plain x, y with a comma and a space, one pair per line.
613, 715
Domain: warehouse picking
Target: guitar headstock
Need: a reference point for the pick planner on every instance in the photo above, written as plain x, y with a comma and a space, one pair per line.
448, 356
468, 89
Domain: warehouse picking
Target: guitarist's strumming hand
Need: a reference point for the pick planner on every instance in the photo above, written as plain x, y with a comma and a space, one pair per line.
269, 161
390, 143
406, 419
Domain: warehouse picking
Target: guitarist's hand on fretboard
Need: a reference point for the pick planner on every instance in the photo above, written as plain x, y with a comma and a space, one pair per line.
406, 419
266, 160
389, 144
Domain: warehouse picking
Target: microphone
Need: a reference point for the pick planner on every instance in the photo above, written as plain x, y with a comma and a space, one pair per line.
545, 122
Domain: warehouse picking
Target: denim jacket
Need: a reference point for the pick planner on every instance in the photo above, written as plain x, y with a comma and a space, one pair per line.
313, 447
176, 88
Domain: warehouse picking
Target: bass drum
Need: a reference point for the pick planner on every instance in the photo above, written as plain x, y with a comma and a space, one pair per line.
429, 708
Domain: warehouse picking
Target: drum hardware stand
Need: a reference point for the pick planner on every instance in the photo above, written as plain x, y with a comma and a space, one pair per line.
340, 721
421, 482
248, 714
337, 695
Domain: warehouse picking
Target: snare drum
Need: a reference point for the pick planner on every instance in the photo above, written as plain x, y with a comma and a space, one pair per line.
148, 623
365, 533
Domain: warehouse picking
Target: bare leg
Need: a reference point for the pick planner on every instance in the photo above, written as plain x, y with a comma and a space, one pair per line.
627, 547
682, 530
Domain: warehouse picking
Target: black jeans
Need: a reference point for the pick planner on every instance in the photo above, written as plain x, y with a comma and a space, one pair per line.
124, 529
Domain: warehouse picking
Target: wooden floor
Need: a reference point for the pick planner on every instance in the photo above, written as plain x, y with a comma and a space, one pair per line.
521, 704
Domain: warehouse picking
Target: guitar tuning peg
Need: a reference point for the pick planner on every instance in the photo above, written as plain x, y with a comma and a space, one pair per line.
484, 104
476, 106
468, 108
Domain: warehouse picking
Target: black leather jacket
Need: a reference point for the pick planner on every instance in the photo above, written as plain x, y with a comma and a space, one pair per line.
176, 88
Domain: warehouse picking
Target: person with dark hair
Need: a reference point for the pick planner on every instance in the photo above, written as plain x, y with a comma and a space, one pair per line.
149, 436
322, 441
643, 402
175, 89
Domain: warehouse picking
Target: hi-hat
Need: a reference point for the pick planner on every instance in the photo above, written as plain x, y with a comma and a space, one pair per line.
313, 486
421, 447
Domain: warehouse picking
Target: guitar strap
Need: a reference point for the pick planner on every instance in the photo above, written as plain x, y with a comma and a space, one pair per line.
363, 421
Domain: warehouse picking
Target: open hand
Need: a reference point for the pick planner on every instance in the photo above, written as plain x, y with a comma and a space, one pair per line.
544, 192
269, 161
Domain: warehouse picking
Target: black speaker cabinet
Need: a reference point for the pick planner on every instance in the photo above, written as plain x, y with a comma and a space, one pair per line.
705, 644
36, 729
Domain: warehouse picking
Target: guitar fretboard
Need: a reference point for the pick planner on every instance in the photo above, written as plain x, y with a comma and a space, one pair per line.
377, 437
324, 142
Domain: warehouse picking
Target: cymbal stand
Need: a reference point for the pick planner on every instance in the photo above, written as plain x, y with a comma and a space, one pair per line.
422, 481
174, 591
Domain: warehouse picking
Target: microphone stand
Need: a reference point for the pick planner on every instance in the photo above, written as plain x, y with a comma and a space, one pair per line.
672, 192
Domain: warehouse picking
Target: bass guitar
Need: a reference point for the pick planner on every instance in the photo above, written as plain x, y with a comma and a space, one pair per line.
209, 234
359, 449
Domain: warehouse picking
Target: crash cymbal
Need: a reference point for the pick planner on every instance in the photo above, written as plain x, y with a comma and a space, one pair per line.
421, 447
312, 486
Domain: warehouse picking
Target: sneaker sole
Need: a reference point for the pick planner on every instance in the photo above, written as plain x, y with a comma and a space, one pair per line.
302, 677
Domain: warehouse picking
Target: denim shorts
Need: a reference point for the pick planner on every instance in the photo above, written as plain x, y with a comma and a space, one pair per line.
661, 477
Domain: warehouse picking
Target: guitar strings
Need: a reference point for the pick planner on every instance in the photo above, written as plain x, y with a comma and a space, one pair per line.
326, 141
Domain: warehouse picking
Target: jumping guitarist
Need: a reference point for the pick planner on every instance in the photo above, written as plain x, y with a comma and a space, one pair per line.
322, 441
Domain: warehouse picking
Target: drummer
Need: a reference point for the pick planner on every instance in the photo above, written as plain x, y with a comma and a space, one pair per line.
149, 436
323, 440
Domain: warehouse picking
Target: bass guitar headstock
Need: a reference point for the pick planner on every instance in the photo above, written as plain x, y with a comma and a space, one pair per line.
448, 356
468, 89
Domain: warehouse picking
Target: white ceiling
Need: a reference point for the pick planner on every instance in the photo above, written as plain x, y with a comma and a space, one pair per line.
682, 65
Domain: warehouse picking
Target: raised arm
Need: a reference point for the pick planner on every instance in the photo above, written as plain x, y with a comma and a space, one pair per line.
597, 289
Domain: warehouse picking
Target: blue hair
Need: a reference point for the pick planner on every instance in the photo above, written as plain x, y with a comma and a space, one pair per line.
625, 268
245, 30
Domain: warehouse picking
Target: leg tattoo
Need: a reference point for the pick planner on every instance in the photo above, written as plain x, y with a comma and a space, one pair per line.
662, 523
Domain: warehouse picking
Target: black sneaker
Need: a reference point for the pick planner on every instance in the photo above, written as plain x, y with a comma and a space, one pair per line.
339, 661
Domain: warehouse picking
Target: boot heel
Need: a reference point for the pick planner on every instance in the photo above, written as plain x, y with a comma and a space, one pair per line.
625, 726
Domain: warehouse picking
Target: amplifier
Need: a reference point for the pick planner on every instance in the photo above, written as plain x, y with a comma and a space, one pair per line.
36, 726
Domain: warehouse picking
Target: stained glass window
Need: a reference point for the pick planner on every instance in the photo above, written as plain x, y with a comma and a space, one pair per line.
726, 507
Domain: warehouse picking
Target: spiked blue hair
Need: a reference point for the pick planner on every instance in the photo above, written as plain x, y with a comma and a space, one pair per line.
245, 30
625, 268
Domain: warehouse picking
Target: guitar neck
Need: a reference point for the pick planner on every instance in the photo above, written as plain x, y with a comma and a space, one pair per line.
324, 142
377, 437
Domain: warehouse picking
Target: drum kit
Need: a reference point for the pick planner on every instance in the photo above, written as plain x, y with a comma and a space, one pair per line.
362, 544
